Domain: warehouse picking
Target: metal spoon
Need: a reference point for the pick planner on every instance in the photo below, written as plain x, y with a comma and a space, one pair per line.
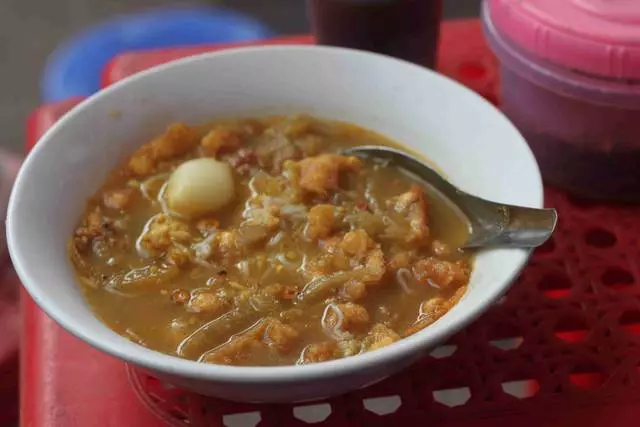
490, 224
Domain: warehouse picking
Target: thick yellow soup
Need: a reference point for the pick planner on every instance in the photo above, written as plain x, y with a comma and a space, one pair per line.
253, 242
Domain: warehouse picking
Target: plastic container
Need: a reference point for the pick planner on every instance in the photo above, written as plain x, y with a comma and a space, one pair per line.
570, 80
406, 29
74, 68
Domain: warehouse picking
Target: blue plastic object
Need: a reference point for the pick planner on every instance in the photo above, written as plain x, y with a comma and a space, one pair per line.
74, 67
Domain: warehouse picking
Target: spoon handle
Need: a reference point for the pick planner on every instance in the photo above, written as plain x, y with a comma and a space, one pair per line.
524, 227
490, 224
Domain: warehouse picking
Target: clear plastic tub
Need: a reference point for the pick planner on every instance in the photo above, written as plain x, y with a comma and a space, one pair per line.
572, 90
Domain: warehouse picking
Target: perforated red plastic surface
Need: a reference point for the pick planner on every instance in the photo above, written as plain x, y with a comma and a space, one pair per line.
561, 349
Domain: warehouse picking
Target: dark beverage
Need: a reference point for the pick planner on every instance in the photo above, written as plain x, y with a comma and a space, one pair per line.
406, 29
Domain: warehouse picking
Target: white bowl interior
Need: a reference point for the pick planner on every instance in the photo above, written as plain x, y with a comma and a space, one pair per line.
477, 148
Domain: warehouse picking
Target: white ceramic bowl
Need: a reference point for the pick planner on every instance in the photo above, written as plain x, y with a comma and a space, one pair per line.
470, 140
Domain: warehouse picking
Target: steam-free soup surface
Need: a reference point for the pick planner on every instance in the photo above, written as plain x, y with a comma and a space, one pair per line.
253, 242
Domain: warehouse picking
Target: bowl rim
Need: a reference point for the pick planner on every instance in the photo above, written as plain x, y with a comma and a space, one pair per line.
161, 362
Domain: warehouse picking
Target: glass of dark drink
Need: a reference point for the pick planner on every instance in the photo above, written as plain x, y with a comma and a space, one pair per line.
406, 29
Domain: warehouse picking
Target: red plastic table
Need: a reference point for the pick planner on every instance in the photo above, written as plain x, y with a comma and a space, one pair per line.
561, 349
10, 324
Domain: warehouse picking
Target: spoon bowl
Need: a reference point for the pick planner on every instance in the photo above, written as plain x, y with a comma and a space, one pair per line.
490, 224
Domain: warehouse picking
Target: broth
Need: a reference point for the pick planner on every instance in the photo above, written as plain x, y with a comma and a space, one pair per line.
316, 256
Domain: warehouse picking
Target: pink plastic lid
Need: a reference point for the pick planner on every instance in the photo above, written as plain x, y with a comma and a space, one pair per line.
600, 37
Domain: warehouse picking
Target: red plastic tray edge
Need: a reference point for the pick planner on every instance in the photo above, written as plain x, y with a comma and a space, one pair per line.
473, 50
